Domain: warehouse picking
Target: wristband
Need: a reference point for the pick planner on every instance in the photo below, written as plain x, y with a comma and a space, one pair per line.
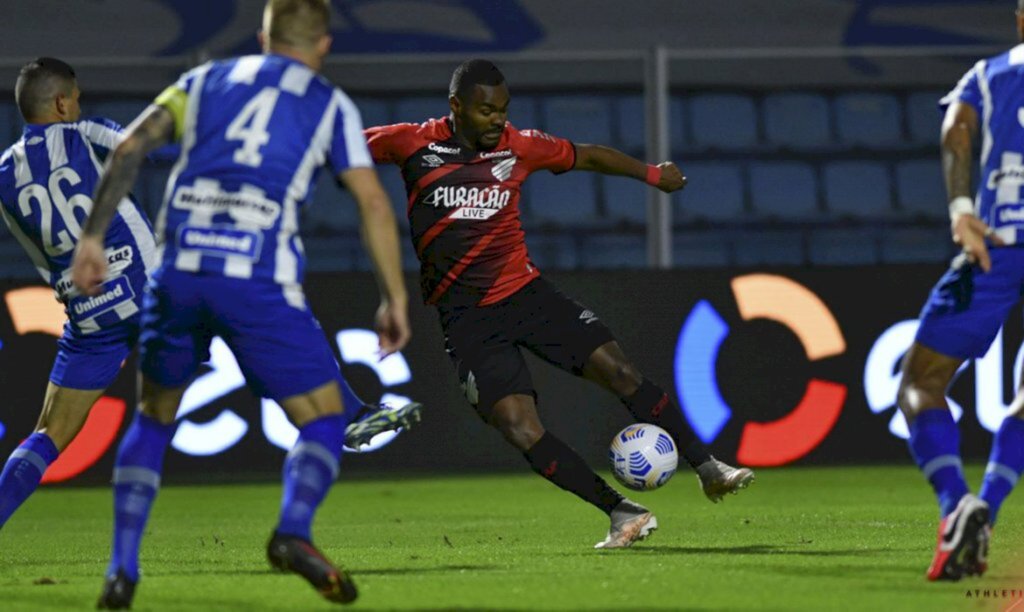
654, 176
959, 207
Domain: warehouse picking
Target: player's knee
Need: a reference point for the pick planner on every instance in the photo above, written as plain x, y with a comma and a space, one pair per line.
920, 391
625, 379
519, 426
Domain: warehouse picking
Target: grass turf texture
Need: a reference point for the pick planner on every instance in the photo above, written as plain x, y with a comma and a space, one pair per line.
805, 538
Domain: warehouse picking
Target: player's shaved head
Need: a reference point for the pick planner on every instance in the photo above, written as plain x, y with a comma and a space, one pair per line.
474, 72
296, 23
39, 83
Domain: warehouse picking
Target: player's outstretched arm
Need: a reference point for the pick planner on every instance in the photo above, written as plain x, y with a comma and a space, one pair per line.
153, 129
606, 160
380, 235
958, 130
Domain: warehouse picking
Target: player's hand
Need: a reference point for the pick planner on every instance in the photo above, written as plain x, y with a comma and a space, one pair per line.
970, 233
392, 326
89, 266
671, 178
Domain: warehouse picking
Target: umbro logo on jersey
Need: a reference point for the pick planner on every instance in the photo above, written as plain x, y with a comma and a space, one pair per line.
503, 169
34, 140
588, 317
436, 148
432, 161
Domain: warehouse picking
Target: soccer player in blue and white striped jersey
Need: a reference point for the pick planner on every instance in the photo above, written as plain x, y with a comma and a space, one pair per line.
47, 179
254, 133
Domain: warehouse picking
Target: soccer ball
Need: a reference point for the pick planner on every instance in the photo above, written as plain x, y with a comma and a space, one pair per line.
643, 457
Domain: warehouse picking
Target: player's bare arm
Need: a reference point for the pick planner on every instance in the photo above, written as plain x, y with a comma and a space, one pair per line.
666, 176
958, 130
152, 130
380, 235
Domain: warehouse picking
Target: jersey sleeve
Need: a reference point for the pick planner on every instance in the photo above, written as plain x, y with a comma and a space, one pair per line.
387, 142
175, 98
348, 145
542, 151
967, 90
104, 134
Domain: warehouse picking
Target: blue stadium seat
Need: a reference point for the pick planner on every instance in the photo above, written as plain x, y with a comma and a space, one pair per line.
584, 119
419, 109
332, 209
566, 200
697, 249
391, 178
857, 189
606, 251
14, 262
631, 125
784, 190
869, 119
625, 200
924, 119
522, 113
797, 121
10, 124
769, 247
917, 245
332, 253
723, 121
373, 111
714, 192
553, 251
843, 246
150, 187
123, 111
921, 189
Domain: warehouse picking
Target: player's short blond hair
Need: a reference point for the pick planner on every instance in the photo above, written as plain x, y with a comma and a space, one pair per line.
296, 23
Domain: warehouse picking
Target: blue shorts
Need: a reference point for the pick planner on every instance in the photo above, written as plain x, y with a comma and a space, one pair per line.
279, 345
967, 307
92, 361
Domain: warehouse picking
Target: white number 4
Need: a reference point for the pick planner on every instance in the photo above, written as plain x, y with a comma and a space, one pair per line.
250, 126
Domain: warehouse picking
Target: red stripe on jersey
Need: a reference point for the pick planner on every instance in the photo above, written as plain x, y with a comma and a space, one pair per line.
426, 180
518, 261
435, 229
467, 259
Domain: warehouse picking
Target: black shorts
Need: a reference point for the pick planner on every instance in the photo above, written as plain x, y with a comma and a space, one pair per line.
484, 342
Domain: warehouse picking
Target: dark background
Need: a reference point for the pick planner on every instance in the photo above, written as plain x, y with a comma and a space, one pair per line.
762, 372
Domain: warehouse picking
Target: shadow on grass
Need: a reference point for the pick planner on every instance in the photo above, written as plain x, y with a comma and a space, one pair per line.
433, 569
754, 549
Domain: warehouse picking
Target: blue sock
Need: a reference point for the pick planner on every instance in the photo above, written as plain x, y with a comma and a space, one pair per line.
935, 446
309, 471
140, 459
23, 472
1005, 464
351, 401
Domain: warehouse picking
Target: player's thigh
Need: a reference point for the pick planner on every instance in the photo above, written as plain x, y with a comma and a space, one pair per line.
966, 308
925, 376
489, 365
158, 401
280, 347
560, 330
64, 412
175, 332
322, 401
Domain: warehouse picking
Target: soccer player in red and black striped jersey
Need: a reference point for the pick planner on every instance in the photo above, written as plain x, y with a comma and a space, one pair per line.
463, 175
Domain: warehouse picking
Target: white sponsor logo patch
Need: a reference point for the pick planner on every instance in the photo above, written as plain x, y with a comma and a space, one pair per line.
443, 149
492, 197
246, 207
494, 154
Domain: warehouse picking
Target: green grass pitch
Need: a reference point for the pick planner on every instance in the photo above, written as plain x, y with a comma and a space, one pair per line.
799, 539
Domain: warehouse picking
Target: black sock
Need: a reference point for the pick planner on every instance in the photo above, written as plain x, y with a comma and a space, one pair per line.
651, 405
560, 464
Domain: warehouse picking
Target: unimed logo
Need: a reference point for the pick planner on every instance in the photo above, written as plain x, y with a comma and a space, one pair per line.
33, 309
777, 298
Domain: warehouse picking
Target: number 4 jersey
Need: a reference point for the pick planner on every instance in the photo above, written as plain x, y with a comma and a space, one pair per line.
254, 132
47, 179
